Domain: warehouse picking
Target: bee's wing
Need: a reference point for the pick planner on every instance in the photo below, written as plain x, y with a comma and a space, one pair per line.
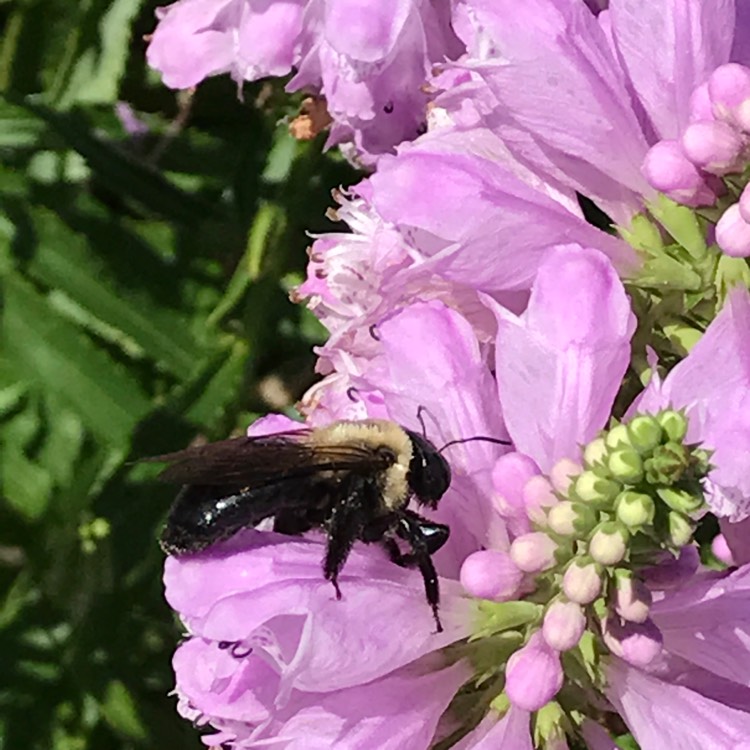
253, 462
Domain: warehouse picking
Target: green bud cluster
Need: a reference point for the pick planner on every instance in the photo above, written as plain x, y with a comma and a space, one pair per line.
635, 496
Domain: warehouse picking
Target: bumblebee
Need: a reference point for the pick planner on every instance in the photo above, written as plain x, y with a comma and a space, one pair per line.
353, 479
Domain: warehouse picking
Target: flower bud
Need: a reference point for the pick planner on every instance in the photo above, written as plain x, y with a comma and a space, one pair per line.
680, 500
729, 89
645, 433
533, 552
617, 437
721, 550
609, 543
700, 106
632, 596
571, 519
562, 474
564, 623
713, 145
538, 497
667, 169
491, 574
733, 233
626, 465
582, 581
635, 509
636, 643
591, 488
533, 675
674, 424
509, 475
744, 203
549, 727
595, 453
667, 464
680, 529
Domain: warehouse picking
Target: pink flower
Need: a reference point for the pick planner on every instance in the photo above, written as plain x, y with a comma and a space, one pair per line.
370, 60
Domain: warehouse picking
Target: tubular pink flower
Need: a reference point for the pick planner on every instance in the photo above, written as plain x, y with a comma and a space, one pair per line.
553, 397
533, 675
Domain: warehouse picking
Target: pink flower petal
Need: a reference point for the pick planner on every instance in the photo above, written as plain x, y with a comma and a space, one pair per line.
668, 717
260, 579
512, 732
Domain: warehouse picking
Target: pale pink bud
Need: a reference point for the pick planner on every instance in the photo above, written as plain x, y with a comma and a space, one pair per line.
533, 675
632, 597
491, 574
744, 203
582, 583
700, 106
729, 88
636, 643
562, 474
609, 543
509, 476
538, 497
714, 146
733, 233
533, 552
721, 550
564, 623
667, 169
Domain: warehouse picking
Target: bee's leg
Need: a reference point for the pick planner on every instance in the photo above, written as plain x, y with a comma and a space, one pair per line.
344, 526
424, 538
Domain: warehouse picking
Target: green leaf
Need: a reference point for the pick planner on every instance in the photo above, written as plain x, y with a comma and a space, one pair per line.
121, 712
122, 172
26, 485
52, 353
64, 261
96, 73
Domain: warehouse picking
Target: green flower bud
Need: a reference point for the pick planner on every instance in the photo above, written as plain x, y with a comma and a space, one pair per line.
635, 509
645, 433
680, 500
680, 529
667, 464
617, 437
609, 543
549, 727
595, 453
571, 519
591, 488
674, 424
626, 465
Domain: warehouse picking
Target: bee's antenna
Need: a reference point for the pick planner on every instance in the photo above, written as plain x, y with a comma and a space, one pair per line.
497, 441
420, 411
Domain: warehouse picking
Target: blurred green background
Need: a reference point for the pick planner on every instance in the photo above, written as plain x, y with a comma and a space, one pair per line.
146, 256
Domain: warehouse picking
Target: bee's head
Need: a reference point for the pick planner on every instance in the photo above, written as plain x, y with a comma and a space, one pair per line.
429, 473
